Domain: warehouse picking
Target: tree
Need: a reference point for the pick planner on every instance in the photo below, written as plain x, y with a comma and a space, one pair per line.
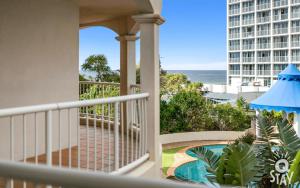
173, 83
82, 78
98, 64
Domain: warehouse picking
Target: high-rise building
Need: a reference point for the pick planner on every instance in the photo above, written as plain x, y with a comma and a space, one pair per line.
263, 38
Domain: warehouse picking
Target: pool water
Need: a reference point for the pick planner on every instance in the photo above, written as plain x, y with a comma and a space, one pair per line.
195, 171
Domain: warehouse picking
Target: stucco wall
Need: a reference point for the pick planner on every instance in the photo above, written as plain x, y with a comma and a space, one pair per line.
198, 136
39, 63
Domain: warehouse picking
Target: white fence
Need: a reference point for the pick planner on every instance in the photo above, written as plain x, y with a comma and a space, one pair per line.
233, 89
95, 135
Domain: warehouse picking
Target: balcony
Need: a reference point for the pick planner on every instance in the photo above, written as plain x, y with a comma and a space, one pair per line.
280, 44
280, 17
234, 72
248, 47
234, 60
234, 11
248, 59
234, 47
263, 19
263, 6
248, 34
234, 1
263, 72
295, 43
277, 71
248, 9
280, 59
296, 58
295, 2
263, 59
280, 31
263, 45
234, 23
295, 29
248, 21
234, 35
295, 15
280, 3
248, 72
263, 32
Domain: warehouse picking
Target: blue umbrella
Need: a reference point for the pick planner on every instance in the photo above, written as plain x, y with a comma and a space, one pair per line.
284, 95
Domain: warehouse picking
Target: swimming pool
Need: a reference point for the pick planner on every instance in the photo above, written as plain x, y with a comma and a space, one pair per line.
195, 171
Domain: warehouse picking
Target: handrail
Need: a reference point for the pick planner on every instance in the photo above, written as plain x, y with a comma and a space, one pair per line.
100, 83
65, 105
54, 176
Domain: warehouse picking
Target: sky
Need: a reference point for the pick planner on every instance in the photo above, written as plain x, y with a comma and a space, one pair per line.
192, 38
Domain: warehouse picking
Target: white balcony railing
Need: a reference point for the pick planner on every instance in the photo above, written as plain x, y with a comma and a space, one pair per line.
280, 17
248, 47
234, 60
295, 58
280, 58
280, 44
295, 2
234, 47
263, 6
280, 3
295, 29
248, 34
248, 59
295, 43
234, 11
263, 32
248, 21
280, 31
248, 9
263, 59
234, 1
234, 35
234, 72
234, 23
263, 19
248, 72
276, 72
263, 45
295, 15
89, 134
45, 176
263, 72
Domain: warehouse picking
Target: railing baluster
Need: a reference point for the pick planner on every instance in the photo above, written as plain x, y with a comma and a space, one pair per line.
102, 137
70, 139
87, 140
116, 123
10, 183
36, 139
95, 137
136, 128
109, 168
49, 137
131, 127
127, 136
78, 138
122, 132
59, 140
140, 127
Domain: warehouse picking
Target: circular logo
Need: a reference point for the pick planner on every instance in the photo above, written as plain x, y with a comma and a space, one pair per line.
282, 166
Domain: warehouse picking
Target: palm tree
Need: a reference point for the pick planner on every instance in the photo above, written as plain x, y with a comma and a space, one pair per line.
242, 164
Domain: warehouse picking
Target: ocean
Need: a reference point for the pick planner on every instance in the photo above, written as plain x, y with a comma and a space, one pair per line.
204, 76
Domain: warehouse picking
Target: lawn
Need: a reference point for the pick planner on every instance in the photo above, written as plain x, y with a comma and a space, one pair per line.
168, 158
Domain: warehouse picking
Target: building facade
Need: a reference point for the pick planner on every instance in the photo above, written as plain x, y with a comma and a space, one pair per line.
263, 38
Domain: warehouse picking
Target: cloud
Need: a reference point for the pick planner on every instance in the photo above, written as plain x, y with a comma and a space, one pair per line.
198, 66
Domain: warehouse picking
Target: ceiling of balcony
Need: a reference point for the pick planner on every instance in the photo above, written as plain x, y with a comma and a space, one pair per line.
97, 11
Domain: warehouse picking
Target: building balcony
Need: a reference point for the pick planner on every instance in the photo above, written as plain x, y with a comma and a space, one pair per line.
234, 1
263, 32
280, 59
280, 17
248, 72
234, 60
248, 47
234, 24
276, 72
263, 19
264, 72
295, 29
280, 31
248, 21
263, 45
234, 72
248, 34
248, 9
234, 47
263, 59
295, 43
280, 3
280, 45
295, 15
263, 6
295, 58
234, 11
293, 2
248, 59
234, 35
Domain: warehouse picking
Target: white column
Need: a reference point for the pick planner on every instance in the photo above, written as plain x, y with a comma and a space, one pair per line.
127, 62
297, 123
150, 78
